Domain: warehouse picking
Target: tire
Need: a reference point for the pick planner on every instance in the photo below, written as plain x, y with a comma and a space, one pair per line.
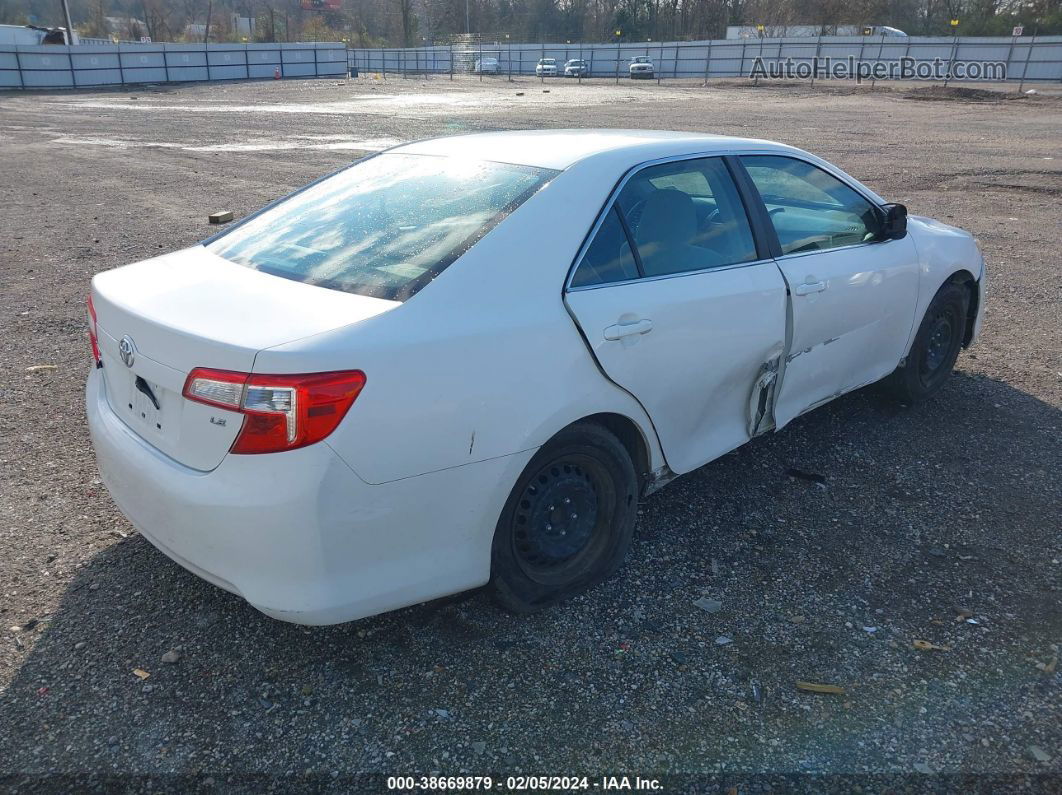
568, 522
935, 347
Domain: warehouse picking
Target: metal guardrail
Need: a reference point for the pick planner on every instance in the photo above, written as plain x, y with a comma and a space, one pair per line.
1027, 58
95, 65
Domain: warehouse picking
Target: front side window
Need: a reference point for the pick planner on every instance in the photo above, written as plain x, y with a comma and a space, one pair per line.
681, 216
384, 227
810, 209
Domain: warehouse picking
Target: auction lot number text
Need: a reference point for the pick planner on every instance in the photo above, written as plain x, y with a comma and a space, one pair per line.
521, 783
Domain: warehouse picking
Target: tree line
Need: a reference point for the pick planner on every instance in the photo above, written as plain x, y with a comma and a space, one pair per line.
396, 23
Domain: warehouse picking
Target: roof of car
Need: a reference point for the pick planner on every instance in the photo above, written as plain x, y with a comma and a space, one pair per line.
560, 149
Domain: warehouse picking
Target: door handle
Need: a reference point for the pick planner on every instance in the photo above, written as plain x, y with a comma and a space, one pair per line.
807, 288
621, 330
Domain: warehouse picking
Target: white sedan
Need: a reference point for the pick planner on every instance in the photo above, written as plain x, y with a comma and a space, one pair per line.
641, 67
546, 67
464, 360
576, 67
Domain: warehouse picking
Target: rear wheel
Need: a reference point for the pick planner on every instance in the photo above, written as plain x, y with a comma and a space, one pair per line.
935, 347
568, 522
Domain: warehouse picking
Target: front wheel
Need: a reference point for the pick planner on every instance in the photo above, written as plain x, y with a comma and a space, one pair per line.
935, 347
568, 522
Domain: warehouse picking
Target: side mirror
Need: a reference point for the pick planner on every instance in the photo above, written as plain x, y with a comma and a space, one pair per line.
894, 225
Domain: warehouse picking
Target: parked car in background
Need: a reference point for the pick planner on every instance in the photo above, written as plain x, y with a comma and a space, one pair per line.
546, 67
486, 66
576, 67
272, 411
641, 67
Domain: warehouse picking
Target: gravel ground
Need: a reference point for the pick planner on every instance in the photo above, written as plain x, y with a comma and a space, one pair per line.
928, 516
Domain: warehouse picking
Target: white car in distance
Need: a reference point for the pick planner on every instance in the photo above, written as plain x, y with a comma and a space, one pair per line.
546, 67
576, 67
486, 66
392, 385
641, 67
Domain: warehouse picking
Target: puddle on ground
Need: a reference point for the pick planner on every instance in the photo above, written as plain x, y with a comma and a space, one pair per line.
335, 142
369, 103
112, 142
383, 103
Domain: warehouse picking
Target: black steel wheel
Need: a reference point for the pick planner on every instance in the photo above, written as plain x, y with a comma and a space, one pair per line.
568, 522
940, 340
935, 348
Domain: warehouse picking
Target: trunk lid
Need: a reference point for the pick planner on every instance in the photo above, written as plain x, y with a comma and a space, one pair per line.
193, 309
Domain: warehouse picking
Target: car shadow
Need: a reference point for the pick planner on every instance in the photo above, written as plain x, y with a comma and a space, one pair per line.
830, 547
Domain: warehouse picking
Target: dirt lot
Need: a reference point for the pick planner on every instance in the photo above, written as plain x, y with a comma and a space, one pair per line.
926, 512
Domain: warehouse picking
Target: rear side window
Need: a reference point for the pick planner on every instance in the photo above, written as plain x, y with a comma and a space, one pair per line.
609, 258
384, 227
681, 216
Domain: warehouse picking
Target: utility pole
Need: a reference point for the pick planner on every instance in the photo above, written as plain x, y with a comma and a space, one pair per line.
69, 24
468, 25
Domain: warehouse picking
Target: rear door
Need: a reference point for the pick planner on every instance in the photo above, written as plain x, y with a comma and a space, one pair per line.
853, 294
680, 308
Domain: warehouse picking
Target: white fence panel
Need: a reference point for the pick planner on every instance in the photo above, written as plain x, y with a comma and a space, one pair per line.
186, 63
1029, 58
141, 63
262, 60
56, 66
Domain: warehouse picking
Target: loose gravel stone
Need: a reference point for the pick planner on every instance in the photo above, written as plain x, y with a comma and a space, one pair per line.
709, 605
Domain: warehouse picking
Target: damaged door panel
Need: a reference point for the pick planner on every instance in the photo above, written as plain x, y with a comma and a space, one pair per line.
851, 291
711, 334
681, 308
761, 398
852, 331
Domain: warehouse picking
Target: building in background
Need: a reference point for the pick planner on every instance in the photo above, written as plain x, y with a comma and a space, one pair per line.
243, 27
797, 31
31, 34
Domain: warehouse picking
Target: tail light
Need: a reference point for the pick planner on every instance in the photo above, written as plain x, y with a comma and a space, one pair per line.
93, 336
282, 412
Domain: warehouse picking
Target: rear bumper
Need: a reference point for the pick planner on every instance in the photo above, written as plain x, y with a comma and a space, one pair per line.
298, 534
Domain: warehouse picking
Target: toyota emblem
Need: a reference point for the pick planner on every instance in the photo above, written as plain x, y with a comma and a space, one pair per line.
127, 350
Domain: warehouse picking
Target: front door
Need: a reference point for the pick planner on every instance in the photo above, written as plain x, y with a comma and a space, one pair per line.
679, 308
853, 295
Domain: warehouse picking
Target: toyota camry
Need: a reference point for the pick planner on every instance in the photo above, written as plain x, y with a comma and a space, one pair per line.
463, 361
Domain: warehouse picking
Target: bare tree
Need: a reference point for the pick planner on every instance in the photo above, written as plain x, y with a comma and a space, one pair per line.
408, 19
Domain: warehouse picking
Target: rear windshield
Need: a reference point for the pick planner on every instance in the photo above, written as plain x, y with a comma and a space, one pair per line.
384, 227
